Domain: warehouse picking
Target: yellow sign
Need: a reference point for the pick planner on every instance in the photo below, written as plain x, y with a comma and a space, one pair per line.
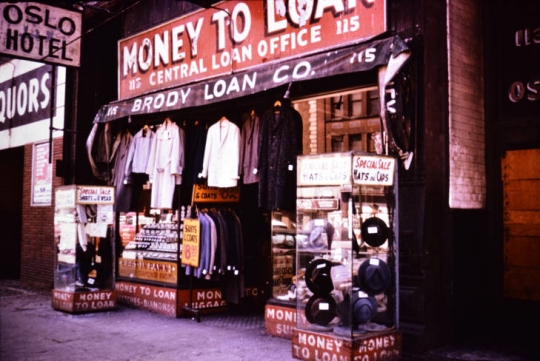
191, 242
202, 193
159, 271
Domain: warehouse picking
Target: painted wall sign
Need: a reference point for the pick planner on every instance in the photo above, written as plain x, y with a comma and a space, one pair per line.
373, 170
237, 35
352, 59
79, 302
41, 32
279, 320
202, 299
156, 299
313, 346
202, 193
519, 58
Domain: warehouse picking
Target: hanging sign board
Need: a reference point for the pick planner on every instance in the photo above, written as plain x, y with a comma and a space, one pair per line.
191, 242
356, 58
40, 32
238, 35
373, 170
202, 193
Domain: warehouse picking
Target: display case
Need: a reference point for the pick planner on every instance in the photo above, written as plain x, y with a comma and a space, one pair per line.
346, 257
83, 223
150, 249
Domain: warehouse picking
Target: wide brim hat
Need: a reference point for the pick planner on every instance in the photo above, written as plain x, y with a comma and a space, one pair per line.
316, 238
321, 309
364, 308
318, 276
374, 276
374, 231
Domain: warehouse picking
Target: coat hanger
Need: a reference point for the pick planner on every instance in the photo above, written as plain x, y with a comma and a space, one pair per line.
277, 106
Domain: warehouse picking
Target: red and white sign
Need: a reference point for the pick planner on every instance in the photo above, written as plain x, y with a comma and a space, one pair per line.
237, 35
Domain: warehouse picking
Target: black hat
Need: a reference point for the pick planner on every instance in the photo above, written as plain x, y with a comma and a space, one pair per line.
318, 276
374, 276
374, 231
364, 308
321, 310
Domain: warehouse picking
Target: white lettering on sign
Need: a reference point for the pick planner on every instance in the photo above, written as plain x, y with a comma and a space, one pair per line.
40, 32
239, 35
324, 170
377, 343
24, 98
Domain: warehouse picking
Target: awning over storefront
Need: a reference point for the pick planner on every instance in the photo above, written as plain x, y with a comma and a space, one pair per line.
389, 53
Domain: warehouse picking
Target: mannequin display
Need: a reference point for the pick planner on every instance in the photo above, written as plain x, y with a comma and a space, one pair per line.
280, 141
222, 154
249, 149
166, 163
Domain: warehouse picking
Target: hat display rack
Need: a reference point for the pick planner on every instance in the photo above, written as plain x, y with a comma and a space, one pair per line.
346, 277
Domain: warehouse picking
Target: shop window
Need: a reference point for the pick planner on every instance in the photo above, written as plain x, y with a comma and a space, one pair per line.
341, 121
338, 144
356, 142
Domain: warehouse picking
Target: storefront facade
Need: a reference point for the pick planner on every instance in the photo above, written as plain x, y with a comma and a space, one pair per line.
445, 122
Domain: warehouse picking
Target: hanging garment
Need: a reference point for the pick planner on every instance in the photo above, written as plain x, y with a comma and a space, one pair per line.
99, 148
222, 155
165, 164
280, 141
120, 151
139, 152
249, 150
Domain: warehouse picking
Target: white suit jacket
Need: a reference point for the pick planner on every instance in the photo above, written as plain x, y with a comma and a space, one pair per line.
222, 154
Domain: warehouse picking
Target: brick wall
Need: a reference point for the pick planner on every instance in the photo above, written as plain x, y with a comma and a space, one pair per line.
466, 105
37, 243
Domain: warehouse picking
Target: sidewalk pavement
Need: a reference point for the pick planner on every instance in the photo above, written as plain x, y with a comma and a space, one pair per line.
30, 329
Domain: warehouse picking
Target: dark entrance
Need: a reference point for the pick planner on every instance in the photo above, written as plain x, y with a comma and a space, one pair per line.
11, 189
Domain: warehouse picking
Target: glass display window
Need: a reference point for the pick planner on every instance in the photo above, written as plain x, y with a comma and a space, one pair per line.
346, 248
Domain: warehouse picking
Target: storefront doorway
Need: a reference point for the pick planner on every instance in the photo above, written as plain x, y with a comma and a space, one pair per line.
11, 188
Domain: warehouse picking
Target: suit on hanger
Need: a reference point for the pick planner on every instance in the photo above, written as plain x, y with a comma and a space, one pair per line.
222, 155
165, 164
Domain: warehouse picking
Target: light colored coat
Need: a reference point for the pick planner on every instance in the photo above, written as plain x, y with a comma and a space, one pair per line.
222, 155
165, 164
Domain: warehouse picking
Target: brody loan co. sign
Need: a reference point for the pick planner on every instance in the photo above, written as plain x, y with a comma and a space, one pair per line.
40, 32
237, 35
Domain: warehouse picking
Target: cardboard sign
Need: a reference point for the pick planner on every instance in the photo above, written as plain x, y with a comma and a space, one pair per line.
205, 194
373, 170
191, 242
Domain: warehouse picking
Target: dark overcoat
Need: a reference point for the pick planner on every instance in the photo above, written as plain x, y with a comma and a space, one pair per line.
280, 142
